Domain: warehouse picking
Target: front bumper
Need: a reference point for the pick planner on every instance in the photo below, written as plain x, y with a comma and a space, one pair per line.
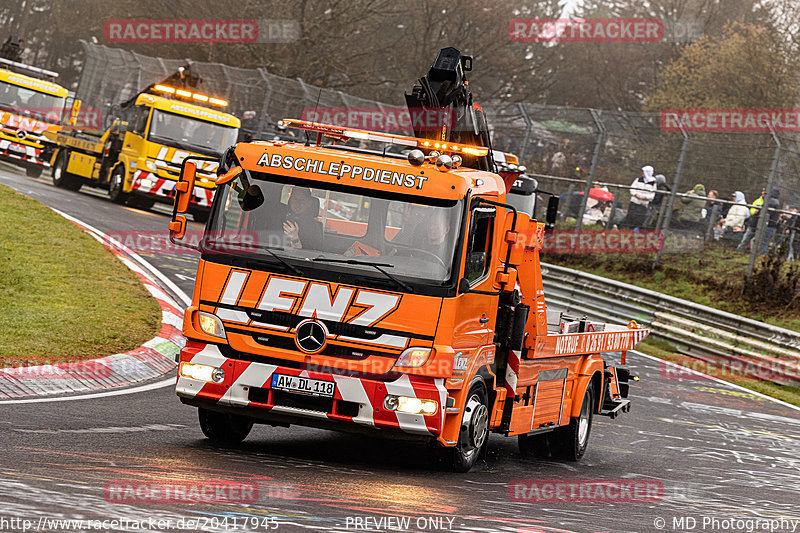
22, 154
149, 184
358, 403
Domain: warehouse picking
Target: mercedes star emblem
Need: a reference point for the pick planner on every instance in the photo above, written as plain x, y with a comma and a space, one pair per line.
311, 336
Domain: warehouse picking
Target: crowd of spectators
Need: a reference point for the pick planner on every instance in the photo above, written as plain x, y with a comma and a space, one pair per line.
732, 222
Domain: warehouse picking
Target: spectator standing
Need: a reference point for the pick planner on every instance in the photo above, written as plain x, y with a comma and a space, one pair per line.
642, 193
774, 202
738, 213
793, 227
693, 208
752, 222
249, 126
662, 190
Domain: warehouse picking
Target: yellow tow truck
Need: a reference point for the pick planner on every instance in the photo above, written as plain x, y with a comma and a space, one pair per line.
29, 106
138, 158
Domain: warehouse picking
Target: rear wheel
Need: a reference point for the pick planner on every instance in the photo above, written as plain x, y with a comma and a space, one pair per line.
116, 186
62, 178
474, 433
570, 442
534, 446
224, 428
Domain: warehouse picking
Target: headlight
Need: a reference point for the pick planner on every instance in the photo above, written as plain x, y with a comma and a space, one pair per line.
205, 373
413, 358
211, 324
150, 165
413, 406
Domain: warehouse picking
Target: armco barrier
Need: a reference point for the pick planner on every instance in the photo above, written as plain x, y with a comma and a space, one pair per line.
695, 330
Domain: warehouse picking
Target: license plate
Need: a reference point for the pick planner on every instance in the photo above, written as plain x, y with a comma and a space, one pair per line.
313, 387
19, 150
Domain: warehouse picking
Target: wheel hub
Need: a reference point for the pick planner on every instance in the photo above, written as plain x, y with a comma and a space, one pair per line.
477, 425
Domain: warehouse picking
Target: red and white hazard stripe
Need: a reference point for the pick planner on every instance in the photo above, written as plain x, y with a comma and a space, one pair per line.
243, 376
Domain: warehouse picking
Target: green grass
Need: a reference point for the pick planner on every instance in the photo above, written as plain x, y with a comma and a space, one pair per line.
664, 350
63, 296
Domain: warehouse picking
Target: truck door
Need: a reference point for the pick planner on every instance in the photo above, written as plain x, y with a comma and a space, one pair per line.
475, 315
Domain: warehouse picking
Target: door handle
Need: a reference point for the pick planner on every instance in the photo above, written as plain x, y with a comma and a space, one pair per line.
484, 319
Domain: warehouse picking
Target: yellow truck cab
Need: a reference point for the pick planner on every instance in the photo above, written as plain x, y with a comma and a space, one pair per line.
29, 107
138, 158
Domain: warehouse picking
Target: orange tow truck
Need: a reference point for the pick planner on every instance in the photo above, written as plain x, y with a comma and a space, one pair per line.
391, 293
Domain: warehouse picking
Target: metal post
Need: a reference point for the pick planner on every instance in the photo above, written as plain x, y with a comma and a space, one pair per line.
675, 185
755, 244
600, 139
528, 128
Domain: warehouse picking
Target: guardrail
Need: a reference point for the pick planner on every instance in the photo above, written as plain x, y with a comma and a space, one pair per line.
695, 330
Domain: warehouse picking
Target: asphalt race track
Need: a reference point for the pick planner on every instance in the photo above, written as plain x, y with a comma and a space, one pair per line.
710, 452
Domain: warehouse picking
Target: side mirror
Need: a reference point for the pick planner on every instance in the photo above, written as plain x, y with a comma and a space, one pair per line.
463, 286
552, 210
177, 228
184, 189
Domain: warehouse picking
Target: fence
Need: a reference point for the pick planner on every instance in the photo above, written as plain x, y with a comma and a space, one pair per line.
571, 151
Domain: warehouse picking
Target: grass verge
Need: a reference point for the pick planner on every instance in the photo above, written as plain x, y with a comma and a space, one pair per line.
664, 350
63, 296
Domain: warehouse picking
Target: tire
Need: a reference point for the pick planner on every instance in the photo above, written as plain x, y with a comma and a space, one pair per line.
33, 172
224, 428
570, 442
534, 446
473, 436
200, 216
62, 178
141, 202
116, 186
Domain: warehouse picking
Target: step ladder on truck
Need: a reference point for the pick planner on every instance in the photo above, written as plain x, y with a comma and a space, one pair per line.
138, 158
391, 293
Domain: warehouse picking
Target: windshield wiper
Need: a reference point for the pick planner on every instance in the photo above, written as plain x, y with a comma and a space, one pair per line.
376, 266
288, 265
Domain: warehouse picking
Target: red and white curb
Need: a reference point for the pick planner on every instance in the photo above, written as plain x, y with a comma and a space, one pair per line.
154, 358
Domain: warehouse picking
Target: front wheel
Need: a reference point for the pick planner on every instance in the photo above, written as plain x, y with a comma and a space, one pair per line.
33, 172
570, 442
224, 428
474, 433
116, 187
62, 178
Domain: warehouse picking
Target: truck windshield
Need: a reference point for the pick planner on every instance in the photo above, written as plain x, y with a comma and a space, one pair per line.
191, 134
29, 103
313, 225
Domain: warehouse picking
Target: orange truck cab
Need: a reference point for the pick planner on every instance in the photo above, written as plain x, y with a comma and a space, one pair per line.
377, 292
